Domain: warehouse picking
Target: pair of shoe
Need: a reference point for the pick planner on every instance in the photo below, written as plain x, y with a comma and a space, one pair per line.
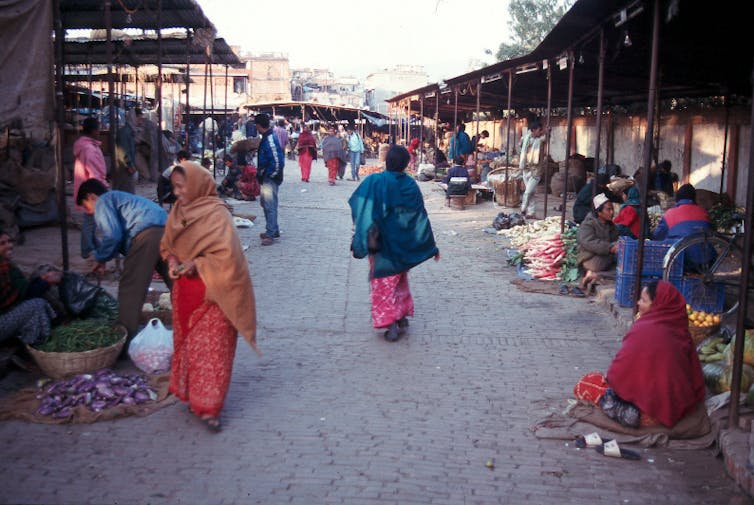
266, 239
392, 334
331, 183
573, 291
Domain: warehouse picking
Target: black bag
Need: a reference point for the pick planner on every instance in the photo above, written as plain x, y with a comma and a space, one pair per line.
77, 294
618, 409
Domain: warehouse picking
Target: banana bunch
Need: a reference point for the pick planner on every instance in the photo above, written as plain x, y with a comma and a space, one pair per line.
712, 349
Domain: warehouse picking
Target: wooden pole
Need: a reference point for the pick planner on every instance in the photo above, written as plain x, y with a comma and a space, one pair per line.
547, 133
598, 122
110, 84
60, 110
188, 81
569, 127
508, 136
158, 91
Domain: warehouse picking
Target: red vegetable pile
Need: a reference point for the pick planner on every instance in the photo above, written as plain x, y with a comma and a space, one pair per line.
544, 257
99, 391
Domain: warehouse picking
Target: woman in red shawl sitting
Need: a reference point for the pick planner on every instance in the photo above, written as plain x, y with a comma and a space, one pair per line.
656, 373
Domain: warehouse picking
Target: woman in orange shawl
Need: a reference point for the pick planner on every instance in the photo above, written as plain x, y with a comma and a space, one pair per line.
213, 298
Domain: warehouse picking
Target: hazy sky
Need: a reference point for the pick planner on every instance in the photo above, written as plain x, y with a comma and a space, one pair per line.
355, 37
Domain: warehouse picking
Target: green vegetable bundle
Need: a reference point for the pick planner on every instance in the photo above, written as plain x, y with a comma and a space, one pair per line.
569, 270
81, 335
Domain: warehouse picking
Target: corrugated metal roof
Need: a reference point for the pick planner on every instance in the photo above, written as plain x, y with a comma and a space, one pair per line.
138, 52
90, 14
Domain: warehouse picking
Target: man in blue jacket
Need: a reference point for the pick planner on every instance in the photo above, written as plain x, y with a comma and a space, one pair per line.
687, 218
130, 225
270, 162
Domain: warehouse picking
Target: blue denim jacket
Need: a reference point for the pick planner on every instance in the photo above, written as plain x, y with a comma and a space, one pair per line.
120, 216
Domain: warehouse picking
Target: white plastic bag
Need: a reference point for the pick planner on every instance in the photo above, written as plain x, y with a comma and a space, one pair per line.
152, 348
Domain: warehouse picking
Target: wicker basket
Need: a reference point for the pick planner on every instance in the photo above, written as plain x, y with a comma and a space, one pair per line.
699, 333
63, 364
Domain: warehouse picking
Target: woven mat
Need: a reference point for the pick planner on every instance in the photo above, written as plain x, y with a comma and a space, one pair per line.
23, 404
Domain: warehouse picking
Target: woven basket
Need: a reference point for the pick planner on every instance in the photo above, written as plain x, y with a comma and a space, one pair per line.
63, 364
699, 333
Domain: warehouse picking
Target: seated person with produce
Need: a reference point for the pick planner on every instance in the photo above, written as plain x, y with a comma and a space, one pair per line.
132, 226
597, 241
23, 311
457, 179
628, 219
687, 218
655, 378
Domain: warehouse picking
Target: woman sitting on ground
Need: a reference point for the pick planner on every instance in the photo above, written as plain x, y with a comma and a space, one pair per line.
597, 241
628, 219
655, 378
23, 311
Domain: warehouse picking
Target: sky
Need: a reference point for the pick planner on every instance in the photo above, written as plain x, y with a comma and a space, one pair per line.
355, 37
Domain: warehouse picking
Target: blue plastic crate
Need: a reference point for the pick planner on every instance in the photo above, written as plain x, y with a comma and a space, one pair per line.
654, 255
701, 296
624, 288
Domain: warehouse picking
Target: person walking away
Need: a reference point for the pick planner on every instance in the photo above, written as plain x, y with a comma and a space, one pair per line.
332, 152
281, 134
132, 226
89, 164
270, 163
531, 161
391, 226
125, 175
213, 296
292, 142
307, 152
355, 150
413, 148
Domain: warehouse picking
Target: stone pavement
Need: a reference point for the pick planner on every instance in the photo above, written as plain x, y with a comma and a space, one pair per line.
333, 414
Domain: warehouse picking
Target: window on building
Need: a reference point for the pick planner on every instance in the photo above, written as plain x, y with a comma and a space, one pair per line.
240, 84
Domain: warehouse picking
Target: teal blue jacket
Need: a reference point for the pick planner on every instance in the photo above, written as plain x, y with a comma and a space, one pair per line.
393, 202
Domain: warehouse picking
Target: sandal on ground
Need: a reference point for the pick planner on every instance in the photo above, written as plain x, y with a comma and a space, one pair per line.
611, 449
212, 424
392, 335
577, 292
564, 290
403, 323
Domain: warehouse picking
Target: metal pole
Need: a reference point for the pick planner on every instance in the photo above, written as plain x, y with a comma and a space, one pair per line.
225, 115
598, 122
204, 108
421, 128
60, 109
508, 137
569, 125
743, 293
725, 145
110, 84
437, 121
158, 91
188, 81
547, 132
478, 95
455, 112
212, 123
647, 158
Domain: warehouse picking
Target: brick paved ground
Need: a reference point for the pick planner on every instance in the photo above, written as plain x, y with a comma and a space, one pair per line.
334, 414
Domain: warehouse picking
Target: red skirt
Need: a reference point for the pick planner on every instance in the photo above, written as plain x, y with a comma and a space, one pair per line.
204, 344
391, 300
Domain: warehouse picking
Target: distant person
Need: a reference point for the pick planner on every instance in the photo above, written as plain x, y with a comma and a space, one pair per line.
582, 206
89, 164
476, 139
132, 226
531, 162
393, 229
333, 154
665, 179
125, 175
307, 152
281, 133
164, 189
457, 179
459, 143
213, 297
270, 163
355, 151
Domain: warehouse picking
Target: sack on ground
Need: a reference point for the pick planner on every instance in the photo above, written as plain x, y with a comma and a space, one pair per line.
152, 348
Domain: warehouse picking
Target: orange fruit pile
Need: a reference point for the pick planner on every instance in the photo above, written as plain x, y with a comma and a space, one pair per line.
701, 318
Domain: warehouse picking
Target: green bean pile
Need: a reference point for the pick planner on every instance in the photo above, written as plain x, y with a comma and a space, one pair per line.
81, 335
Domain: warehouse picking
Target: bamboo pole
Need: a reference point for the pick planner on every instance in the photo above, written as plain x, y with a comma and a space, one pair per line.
569, 127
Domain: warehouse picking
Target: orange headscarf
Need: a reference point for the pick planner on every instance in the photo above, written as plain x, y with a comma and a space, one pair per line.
202, 230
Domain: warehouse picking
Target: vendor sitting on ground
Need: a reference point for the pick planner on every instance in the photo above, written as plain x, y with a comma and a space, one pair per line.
597, 241
229, 185
687, 218
23, 311
583, 203
628, 219
457, 178
655, 378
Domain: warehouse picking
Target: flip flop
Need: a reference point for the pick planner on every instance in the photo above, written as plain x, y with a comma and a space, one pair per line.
611, 449
564, 290
212, 424
577, 292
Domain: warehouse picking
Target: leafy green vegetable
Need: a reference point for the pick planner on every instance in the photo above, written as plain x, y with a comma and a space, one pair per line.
569, 270
81, 335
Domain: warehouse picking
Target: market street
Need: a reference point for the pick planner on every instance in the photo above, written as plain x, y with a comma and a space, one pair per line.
332, 413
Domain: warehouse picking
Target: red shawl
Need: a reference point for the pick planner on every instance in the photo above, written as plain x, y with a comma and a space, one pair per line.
306, 142
657, 368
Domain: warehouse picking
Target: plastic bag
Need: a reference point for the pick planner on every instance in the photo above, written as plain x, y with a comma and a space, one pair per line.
619, 410
501, 222
152, 348
77, 294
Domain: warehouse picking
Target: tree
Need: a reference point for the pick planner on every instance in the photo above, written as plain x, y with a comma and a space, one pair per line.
530, 22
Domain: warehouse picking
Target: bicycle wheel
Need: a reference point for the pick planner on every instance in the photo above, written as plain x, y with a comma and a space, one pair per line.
724, 265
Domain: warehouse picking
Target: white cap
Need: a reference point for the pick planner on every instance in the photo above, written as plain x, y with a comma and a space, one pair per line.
599, 200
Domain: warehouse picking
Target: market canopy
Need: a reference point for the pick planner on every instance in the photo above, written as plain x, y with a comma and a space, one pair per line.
319, 111
142, 14
704, 51
143, 51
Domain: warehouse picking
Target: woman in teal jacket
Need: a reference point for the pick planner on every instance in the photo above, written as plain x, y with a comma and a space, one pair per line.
393, 229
